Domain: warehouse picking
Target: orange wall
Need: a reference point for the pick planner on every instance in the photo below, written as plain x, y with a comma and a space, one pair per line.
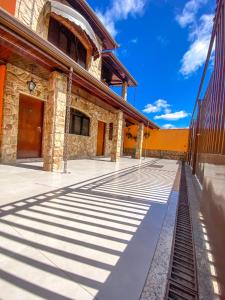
9, 5
162, 139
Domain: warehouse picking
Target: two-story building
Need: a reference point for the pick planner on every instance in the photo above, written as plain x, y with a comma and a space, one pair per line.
56, 69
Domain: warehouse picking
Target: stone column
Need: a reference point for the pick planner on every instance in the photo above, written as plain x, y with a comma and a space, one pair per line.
55, 112
117, 137
139, 144
122, 139
124, 91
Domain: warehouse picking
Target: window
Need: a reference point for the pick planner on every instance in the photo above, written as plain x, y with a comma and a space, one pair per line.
65, 40
79, 123
110, 131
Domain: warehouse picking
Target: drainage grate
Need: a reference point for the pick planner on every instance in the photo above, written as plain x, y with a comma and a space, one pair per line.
182, 281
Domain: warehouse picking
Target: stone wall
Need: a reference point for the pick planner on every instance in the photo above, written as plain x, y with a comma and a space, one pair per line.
176, 155
166, 154
95, 67
53, 92
85, 146
30, 13
15, 85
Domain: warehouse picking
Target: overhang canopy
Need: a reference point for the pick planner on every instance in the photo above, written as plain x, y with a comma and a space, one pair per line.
114, 71
85, 10
73, 16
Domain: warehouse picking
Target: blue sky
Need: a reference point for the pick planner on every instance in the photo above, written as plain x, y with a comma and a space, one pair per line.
163, 43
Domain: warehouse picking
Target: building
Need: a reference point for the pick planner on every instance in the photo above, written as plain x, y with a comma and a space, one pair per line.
56, 59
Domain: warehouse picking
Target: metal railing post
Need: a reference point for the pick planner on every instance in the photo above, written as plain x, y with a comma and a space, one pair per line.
196, 138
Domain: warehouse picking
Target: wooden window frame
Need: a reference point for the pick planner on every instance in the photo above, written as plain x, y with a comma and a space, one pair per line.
54, 38
111, 131
78, 114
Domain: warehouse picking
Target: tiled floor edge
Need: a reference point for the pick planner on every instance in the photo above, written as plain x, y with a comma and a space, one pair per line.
156, 282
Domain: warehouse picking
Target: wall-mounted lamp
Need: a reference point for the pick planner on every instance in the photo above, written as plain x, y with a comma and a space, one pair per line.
31, 84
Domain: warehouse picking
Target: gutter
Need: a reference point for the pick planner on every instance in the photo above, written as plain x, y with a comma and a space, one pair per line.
22, 31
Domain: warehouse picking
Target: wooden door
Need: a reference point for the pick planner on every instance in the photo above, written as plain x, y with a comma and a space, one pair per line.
101, 139
30, 128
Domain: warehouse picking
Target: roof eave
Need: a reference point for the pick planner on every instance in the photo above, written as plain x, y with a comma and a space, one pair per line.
121, 67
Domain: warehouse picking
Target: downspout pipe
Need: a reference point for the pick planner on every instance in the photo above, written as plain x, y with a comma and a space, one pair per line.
67, 119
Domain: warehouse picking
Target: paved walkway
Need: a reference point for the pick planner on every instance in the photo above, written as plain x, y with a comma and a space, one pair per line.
90, 234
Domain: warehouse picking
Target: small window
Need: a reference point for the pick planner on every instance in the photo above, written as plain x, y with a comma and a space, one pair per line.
82, 55
73, 51
79, 123
85, 127
110, 131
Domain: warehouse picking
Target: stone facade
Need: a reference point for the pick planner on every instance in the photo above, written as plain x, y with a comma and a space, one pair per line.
140, 137
53, 92
30, 12
95, 67
85, 146
15, 85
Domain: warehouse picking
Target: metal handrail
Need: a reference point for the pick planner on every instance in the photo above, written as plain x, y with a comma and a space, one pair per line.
216, 19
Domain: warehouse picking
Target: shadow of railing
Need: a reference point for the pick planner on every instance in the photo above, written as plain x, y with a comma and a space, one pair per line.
79, 235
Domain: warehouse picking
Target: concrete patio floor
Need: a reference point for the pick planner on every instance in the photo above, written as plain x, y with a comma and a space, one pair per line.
89, 234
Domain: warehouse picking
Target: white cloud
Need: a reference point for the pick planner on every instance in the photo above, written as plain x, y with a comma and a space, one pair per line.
173, 116
120, 10
195, 57
168, 126
157, 106
134, 41
189, 12
164, 107
199, 36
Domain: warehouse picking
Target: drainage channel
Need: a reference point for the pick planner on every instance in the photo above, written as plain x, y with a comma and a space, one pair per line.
182, 279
